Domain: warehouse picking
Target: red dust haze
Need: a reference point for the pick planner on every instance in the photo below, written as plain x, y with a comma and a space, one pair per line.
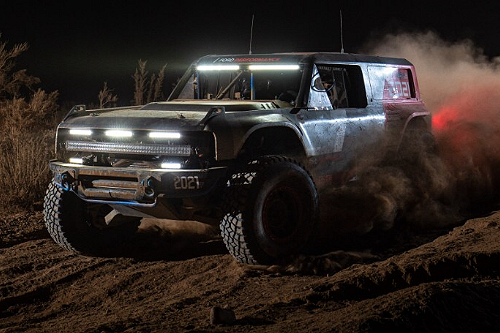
461, 87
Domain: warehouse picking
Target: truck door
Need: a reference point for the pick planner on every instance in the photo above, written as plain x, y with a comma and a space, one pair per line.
338, 123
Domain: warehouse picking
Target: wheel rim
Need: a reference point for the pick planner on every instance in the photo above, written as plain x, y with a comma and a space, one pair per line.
282, 213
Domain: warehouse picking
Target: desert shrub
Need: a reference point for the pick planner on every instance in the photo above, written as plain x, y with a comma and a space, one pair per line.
106, 97
147, 89
37, 111
24, 172
27, 125
13, 83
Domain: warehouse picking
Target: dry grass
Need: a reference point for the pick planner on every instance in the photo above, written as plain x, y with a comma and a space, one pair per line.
28, 120
147, 89
27, 127
24, 172
106, 97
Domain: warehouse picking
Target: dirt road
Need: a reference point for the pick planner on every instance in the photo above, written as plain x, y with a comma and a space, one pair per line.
445, 280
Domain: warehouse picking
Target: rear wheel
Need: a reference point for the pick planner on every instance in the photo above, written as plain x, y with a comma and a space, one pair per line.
415, 144
271, 210
81, 227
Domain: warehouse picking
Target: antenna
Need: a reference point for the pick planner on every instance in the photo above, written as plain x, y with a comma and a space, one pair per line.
341, 34
251, 35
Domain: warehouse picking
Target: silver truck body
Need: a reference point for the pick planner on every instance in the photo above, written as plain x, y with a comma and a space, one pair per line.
173, 159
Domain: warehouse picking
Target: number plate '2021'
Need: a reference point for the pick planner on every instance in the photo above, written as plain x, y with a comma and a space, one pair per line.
186, 183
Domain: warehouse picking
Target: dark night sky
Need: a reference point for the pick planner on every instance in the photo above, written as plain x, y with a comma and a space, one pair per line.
77, 45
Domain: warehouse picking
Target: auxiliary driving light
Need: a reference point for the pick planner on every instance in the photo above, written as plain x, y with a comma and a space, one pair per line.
119, 133
165, 135
80, 132
169, 165
76, 160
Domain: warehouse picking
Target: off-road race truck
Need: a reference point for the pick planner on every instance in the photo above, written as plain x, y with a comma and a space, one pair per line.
245, 142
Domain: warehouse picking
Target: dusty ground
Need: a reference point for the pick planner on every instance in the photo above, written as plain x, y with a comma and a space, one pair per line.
443, 280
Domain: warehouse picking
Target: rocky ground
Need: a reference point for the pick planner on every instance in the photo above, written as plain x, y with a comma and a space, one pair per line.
174, 277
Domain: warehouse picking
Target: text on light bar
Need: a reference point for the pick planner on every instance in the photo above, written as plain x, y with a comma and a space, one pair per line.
165, 135
218, 67
273, 67
167, 165
118, 133
80, 132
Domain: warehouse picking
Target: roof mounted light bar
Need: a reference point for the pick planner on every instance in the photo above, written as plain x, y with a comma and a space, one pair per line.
218, 67
250, 67
273, 67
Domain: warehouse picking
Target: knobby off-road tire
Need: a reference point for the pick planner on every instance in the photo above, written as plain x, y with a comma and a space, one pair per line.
271, 208
79, 227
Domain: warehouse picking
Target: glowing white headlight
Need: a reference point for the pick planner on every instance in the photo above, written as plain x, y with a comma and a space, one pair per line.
80, 132
274, 67
165, 135
218, 67
118, 133
76, 160
168, 165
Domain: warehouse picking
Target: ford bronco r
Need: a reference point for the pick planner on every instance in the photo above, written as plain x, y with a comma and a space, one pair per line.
245, 142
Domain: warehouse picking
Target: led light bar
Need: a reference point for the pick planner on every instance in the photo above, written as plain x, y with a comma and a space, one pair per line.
218, 67
164, 135
118, 133
169, 165
129, 148
80, 132
273, 67
76, 160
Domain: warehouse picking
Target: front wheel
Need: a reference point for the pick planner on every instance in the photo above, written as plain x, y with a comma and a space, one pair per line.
271, 210
80, 227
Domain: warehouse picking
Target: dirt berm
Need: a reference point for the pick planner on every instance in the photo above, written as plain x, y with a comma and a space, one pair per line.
444, 280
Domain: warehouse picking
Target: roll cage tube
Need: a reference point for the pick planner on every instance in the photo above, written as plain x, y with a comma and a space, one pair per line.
230, 85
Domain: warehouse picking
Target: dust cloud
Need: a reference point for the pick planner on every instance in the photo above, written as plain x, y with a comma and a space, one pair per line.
432, 189
170, 239
461, 88
444, 69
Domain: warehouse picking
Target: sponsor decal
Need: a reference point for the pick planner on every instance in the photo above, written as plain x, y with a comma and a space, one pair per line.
249, 59
397, 85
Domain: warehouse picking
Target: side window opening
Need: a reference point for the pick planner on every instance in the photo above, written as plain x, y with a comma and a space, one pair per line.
188, 91
411, 83
334, 80
391, 83
343, 85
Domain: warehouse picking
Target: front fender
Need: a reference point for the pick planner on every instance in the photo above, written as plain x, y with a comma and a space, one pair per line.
233, 129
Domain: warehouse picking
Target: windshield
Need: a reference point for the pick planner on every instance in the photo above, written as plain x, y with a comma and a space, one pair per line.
234, 83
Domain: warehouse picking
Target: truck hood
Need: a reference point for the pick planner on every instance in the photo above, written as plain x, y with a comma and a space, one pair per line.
178, 115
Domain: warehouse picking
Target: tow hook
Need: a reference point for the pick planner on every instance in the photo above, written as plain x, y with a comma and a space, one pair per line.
66, 181
149, 189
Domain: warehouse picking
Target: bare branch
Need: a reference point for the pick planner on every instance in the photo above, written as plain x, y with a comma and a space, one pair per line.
106, 97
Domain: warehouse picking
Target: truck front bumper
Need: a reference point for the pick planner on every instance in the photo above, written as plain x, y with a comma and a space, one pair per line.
134, 186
